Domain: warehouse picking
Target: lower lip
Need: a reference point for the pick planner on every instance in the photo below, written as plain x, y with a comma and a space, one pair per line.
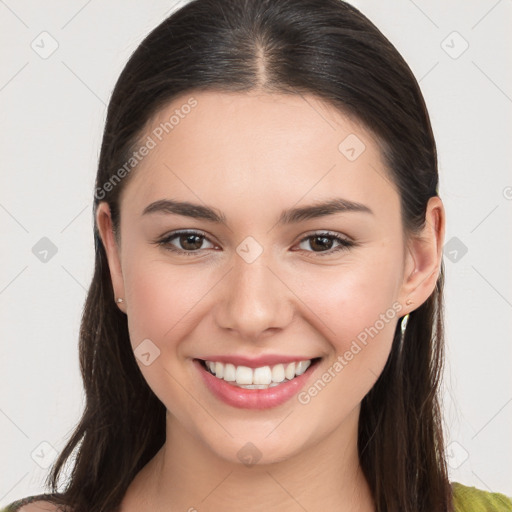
253, 398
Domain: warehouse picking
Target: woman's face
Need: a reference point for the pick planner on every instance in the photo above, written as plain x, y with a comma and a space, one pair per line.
268, 277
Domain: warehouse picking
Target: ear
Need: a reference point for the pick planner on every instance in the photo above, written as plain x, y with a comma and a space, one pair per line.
423, 258
113, 250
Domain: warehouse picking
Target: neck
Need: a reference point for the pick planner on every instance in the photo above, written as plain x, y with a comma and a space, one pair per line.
187, 475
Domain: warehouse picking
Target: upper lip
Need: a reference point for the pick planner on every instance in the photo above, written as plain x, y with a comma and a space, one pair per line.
256, 362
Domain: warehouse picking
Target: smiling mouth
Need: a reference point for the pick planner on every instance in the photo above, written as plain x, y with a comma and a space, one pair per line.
263, 377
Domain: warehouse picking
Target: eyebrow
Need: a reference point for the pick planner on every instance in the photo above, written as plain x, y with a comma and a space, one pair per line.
290, 216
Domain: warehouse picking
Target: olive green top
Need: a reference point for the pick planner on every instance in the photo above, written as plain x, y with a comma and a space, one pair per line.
471, 499
465, 499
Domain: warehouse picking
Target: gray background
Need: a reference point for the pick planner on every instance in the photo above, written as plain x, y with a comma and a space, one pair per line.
53, 110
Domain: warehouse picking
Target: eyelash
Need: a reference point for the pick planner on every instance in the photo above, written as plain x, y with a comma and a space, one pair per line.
344, 243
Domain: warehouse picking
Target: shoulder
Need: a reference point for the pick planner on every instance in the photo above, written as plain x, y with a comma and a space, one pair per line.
37, 503
471, 499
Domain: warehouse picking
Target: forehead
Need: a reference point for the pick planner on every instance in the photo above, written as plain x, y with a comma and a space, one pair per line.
235, 147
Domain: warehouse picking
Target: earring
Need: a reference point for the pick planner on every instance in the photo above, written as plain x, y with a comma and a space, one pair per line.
409, 302
119, 300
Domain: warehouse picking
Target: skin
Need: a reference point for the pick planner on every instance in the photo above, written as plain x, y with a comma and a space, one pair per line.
250, 156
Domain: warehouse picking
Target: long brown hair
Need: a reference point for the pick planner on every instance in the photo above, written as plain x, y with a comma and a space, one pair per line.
327, 48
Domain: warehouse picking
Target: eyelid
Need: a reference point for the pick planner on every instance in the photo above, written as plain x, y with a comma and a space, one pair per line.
326, 232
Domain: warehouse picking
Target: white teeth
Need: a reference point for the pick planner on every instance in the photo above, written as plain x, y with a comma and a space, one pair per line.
278, 373
229, 372
301, 367
262, 375
289, 373
219, 370
244, 375
257, 378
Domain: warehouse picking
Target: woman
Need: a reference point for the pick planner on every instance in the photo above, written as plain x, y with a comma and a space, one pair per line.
264, 328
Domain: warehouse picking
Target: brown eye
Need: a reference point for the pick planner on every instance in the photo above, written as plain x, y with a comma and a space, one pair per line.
323, 243
191, 242
185, 242
320, 243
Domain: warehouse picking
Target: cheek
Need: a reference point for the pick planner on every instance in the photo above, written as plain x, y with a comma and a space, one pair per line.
358, 319
354, 307
352, 298
162, 306
161, 300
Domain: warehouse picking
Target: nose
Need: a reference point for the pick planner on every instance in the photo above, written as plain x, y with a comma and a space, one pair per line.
254, 300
